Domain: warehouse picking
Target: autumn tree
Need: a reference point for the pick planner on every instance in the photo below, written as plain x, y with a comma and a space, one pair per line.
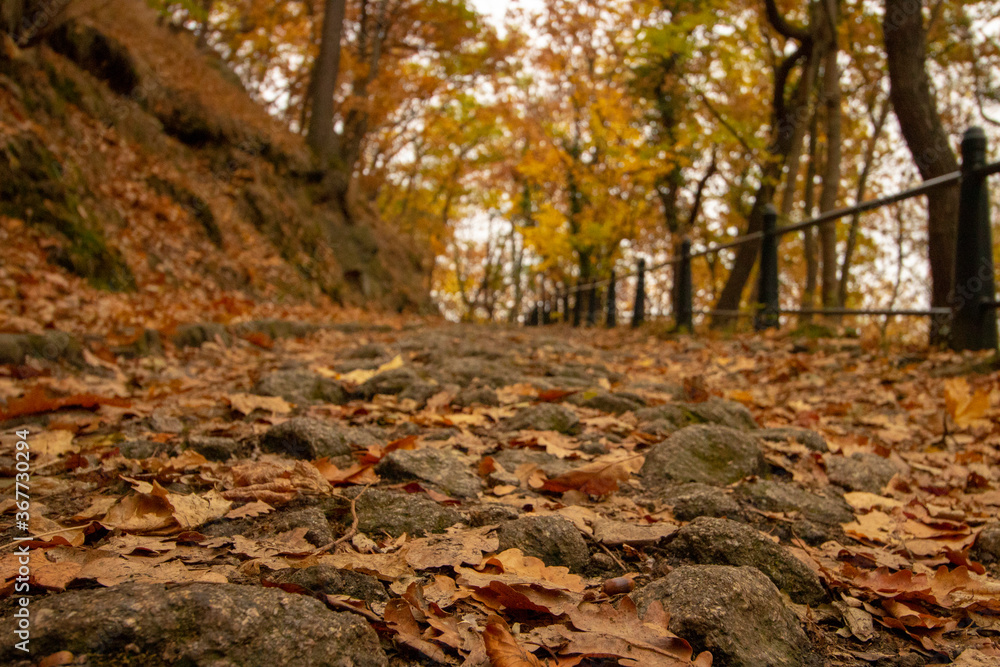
324, 80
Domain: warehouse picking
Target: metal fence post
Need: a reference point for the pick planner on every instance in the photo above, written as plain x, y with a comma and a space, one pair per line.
768, 306
639, 312
973, 325
591, 306
612, 318
684, 290
546, 308
577, 306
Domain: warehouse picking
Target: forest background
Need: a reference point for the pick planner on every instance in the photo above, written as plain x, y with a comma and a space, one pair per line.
574, 137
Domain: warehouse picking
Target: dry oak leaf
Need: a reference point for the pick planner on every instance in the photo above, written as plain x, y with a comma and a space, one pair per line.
39, 399
52, 443
453, 549
962, 404
399, 617
513, 567
596, 479
154, 510
503, 650
247, 403
604, 630
361, 376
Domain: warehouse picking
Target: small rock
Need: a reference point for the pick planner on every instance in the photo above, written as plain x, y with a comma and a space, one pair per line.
861, 472
333, 581
722, 412
708, 454
391, 382
986, 550
307, 438
479, 396
419, 392
712, 541
196, 335
368, 351
777, 496
395, 513
734, 612
268, 525
616, 404
216, 449
301, 388
803, 436
196, 624
553, 539
444, 469
544, 417
491, 513
143, 449
691, 501
551, 465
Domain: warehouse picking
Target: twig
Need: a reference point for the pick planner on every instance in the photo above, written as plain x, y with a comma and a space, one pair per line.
352, 531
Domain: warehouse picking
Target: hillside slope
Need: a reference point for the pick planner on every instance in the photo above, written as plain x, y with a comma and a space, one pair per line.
140, 187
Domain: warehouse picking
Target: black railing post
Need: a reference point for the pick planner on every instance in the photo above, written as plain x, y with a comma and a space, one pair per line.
639, 312
768, 307
684, 290
591, 306
973, 325
546, 308
577, 306
612, 318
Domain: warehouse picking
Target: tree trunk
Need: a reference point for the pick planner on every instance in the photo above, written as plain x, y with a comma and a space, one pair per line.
859, 195
831, 173
809, 233
324, 84
915, 107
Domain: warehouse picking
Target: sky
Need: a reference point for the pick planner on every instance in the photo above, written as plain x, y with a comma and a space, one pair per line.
496, 9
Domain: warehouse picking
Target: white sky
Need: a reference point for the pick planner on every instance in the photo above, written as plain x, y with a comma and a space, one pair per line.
496, 9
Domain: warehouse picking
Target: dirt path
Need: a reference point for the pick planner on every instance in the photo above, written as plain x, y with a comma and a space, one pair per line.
454, 495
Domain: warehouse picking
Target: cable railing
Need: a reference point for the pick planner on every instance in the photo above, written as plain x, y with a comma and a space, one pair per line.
971, 314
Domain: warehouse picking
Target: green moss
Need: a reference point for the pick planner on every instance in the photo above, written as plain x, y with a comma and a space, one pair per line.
35, 187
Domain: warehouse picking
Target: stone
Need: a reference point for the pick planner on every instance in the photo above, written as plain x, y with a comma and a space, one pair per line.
216, 449
391, 382
714, 541
715, 455
368, 351
419, 392
986, 550
691, 501
544, 417
861, 471
268, 525
307, 438
553, 539
330, 580
447, 470
734, 612
143, 449
803, 436
777, 496
301, 387
196, 335
617, 403
490, 514
196, 624
722, 412
394, 513
479, 396
551, 465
